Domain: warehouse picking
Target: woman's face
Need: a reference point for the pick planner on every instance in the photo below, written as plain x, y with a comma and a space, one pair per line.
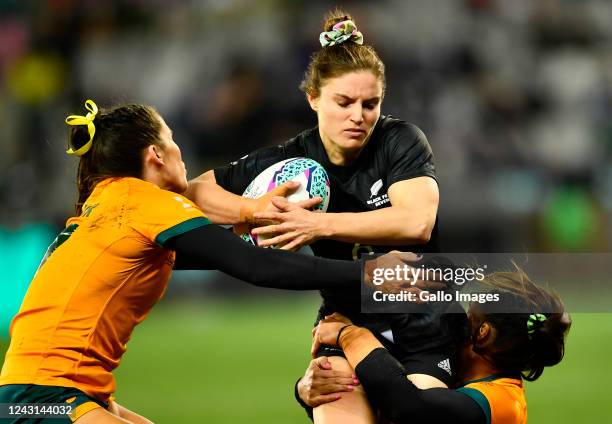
348, 108
173, 173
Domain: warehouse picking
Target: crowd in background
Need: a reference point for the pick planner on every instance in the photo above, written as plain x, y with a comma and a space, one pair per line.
514, 96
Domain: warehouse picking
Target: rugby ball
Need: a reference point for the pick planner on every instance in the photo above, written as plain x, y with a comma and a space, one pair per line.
313, 179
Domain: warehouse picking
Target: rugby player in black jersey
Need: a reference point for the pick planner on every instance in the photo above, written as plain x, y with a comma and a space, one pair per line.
384, 196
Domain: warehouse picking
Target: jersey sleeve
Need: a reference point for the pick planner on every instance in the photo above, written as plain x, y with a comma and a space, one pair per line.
501, 401
160, 215
478, 397
236, 176
409, 154
390, 391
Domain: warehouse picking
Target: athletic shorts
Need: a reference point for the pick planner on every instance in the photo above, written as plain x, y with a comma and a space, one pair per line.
440, 364
79, 402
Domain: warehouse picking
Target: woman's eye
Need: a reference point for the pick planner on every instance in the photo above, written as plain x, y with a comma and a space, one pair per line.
342, 104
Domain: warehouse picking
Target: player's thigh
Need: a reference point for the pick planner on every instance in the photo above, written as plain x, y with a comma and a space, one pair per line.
352, 407
125, 413
100, 416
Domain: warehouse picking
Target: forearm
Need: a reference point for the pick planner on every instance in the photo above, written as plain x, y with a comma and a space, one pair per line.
357, 343
212, 247
219, 205
387, 386
389, 226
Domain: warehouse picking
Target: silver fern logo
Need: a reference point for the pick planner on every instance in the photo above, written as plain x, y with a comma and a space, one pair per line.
376, 188
375, 199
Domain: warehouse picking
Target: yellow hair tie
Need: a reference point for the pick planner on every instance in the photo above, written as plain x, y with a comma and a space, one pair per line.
84, 120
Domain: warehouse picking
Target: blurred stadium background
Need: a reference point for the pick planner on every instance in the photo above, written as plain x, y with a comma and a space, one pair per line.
514, 96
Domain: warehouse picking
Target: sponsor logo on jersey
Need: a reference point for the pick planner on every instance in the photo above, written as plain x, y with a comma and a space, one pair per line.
388, 334
445, 365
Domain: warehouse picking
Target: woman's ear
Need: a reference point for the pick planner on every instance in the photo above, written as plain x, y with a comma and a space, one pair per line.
152, 155
485, 335
313, 102
483, 332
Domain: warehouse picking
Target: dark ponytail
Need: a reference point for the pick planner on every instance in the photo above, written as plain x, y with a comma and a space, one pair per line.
121, 136
526, 341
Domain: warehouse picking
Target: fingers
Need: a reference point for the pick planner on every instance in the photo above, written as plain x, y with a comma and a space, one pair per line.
430, 285
315, 346
294, 245
282, 204
315, 343
309, 203
406, 257
321, 362
268, 229
284, 189
280, 239
339, 317
321, 399
323, 371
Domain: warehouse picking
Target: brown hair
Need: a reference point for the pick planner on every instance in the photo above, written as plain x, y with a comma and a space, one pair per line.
515, 348
339, 59
122, 134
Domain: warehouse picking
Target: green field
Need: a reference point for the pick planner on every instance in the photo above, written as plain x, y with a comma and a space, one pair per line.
236, 362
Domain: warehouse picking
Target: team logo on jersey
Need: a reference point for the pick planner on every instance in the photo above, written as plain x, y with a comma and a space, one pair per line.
376, 188
375, 199
88, 209
445, 365
185, 204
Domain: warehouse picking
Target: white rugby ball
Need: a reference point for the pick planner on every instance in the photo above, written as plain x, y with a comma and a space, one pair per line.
313, 179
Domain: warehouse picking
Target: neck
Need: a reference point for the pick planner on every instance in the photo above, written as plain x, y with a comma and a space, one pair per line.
336, 154
477, 368
152, 176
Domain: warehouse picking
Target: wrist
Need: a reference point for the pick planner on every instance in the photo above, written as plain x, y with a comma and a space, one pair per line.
326, 225
349, 335
247, 208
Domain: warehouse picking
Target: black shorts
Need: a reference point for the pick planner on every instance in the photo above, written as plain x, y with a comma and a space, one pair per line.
79, 402
438, 363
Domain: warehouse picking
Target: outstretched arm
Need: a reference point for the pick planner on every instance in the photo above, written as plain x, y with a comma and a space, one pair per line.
219, 205
212, 247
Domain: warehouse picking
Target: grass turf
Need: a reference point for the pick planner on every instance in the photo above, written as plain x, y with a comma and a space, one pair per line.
231, 361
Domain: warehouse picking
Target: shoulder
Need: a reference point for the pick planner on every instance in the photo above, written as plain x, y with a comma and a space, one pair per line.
302, 143
403, 145
503, 398
148, 199
396, 132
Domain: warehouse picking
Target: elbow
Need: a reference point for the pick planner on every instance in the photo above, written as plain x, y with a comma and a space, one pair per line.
420, 233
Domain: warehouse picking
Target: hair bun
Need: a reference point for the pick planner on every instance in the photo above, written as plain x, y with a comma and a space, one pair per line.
341, 32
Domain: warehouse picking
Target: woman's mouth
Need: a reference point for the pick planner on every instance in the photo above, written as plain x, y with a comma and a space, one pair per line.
355, 132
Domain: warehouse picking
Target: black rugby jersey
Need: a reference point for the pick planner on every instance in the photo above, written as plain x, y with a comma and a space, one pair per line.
396, 151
